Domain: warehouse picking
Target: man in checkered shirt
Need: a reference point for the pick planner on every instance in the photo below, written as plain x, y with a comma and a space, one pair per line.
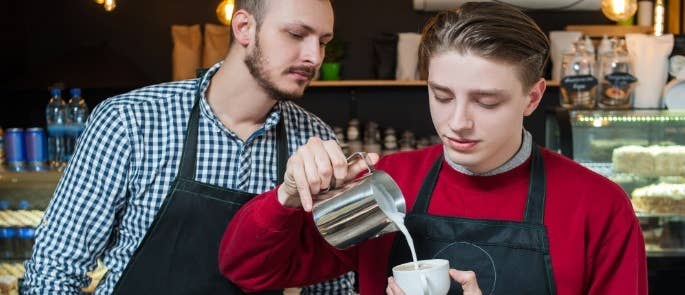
127, 162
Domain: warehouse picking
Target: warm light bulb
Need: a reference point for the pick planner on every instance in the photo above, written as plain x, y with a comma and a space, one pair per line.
110, 5
225, 11
100, 1
619, 10
659, 14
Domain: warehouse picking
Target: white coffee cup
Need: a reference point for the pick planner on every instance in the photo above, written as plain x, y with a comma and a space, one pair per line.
431, 278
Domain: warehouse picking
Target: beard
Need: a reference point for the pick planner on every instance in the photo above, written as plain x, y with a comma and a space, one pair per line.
255, 62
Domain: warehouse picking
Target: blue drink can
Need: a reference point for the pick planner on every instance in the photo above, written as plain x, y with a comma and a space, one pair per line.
14, 149
36, 149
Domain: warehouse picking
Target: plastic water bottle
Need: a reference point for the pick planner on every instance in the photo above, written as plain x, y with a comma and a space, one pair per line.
56, 121
77, 113
7, 235
23, 205
26, 236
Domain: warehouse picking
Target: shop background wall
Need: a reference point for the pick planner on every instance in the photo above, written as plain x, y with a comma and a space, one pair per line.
77, 42
107, 53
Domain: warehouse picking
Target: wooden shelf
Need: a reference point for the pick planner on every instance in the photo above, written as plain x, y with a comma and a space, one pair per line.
35, 187
363, 83
382, 83
597, 31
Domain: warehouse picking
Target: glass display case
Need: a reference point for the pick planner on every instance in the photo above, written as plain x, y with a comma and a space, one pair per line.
641, 150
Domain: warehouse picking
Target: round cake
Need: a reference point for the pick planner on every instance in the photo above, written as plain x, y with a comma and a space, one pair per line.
663, 198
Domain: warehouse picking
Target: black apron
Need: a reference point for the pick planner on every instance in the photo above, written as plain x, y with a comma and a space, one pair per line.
507, 257
179, 254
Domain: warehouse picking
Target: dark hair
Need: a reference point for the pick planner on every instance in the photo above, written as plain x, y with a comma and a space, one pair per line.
491, 30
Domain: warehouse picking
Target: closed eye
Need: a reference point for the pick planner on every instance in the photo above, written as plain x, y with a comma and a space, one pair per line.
488, 105
295, 36
443, 99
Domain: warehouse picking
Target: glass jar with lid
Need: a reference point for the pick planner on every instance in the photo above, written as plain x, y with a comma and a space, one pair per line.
617, 80
578, 78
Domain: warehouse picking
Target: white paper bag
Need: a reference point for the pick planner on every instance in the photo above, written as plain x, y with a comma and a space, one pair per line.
216, 40
187, 52
408, 56
649, 54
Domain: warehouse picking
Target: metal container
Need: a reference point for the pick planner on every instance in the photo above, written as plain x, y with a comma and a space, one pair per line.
358, 211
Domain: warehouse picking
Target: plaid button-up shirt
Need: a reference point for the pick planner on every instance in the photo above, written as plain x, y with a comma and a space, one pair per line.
123, 168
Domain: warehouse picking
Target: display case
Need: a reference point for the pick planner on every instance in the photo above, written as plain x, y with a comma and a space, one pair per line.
641, 150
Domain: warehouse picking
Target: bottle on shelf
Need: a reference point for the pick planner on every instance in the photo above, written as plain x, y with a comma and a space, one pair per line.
56, 121
390, 141
7, 234
408, 141
23, 205
26, 236
77, 114
340, 136
372, 138
354, 143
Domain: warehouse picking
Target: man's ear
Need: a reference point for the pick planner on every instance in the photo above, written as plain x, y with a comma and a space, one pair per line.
241, 24
535, 94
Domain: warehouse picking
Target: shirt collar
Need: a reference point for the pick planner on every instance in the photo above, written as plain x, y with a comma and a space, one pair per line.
518, 159
206, 111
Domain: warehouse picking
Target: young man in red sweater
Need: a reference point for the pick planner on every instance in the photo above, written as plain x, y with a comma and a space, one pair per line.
523, 219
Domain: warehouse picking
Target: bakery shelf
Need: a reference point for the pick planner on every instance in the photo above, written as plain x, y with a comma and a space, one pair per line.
35, 187
660, 215
643, 151
383, 83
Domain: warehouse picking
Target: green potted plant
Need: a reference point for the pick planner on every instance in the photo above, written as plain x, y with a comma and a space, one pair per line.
330, 69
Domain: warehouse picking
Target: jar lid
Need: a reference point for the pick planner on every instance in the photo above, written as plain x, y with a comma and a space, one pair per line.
26, 233
7, 232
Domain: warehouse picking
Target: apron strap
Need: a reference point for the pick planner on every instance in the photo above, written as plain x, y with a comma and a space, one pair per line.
282, 150
189, 155
423, 198
535, 206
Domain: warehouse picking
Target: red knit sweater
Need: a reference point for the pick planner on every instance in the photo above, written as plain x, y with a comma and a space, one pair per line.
595, 240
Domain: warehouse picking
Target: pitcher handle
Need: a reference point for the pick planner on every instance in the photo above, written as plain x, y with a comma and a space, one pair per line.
350, 159
362, 155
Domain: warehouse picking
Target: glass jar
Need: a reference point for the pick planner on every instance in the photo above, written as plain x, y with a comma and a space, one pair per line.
578, 82
617, 80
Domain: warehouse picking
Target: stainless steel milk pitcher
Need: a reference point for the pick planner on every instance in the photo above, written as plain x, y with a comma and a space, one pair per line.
358, 210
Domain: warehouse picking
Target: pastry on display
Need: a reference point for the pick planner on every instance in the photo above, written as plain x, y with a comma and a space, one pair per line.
650, 161
669, 160
663, 198
633, 159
